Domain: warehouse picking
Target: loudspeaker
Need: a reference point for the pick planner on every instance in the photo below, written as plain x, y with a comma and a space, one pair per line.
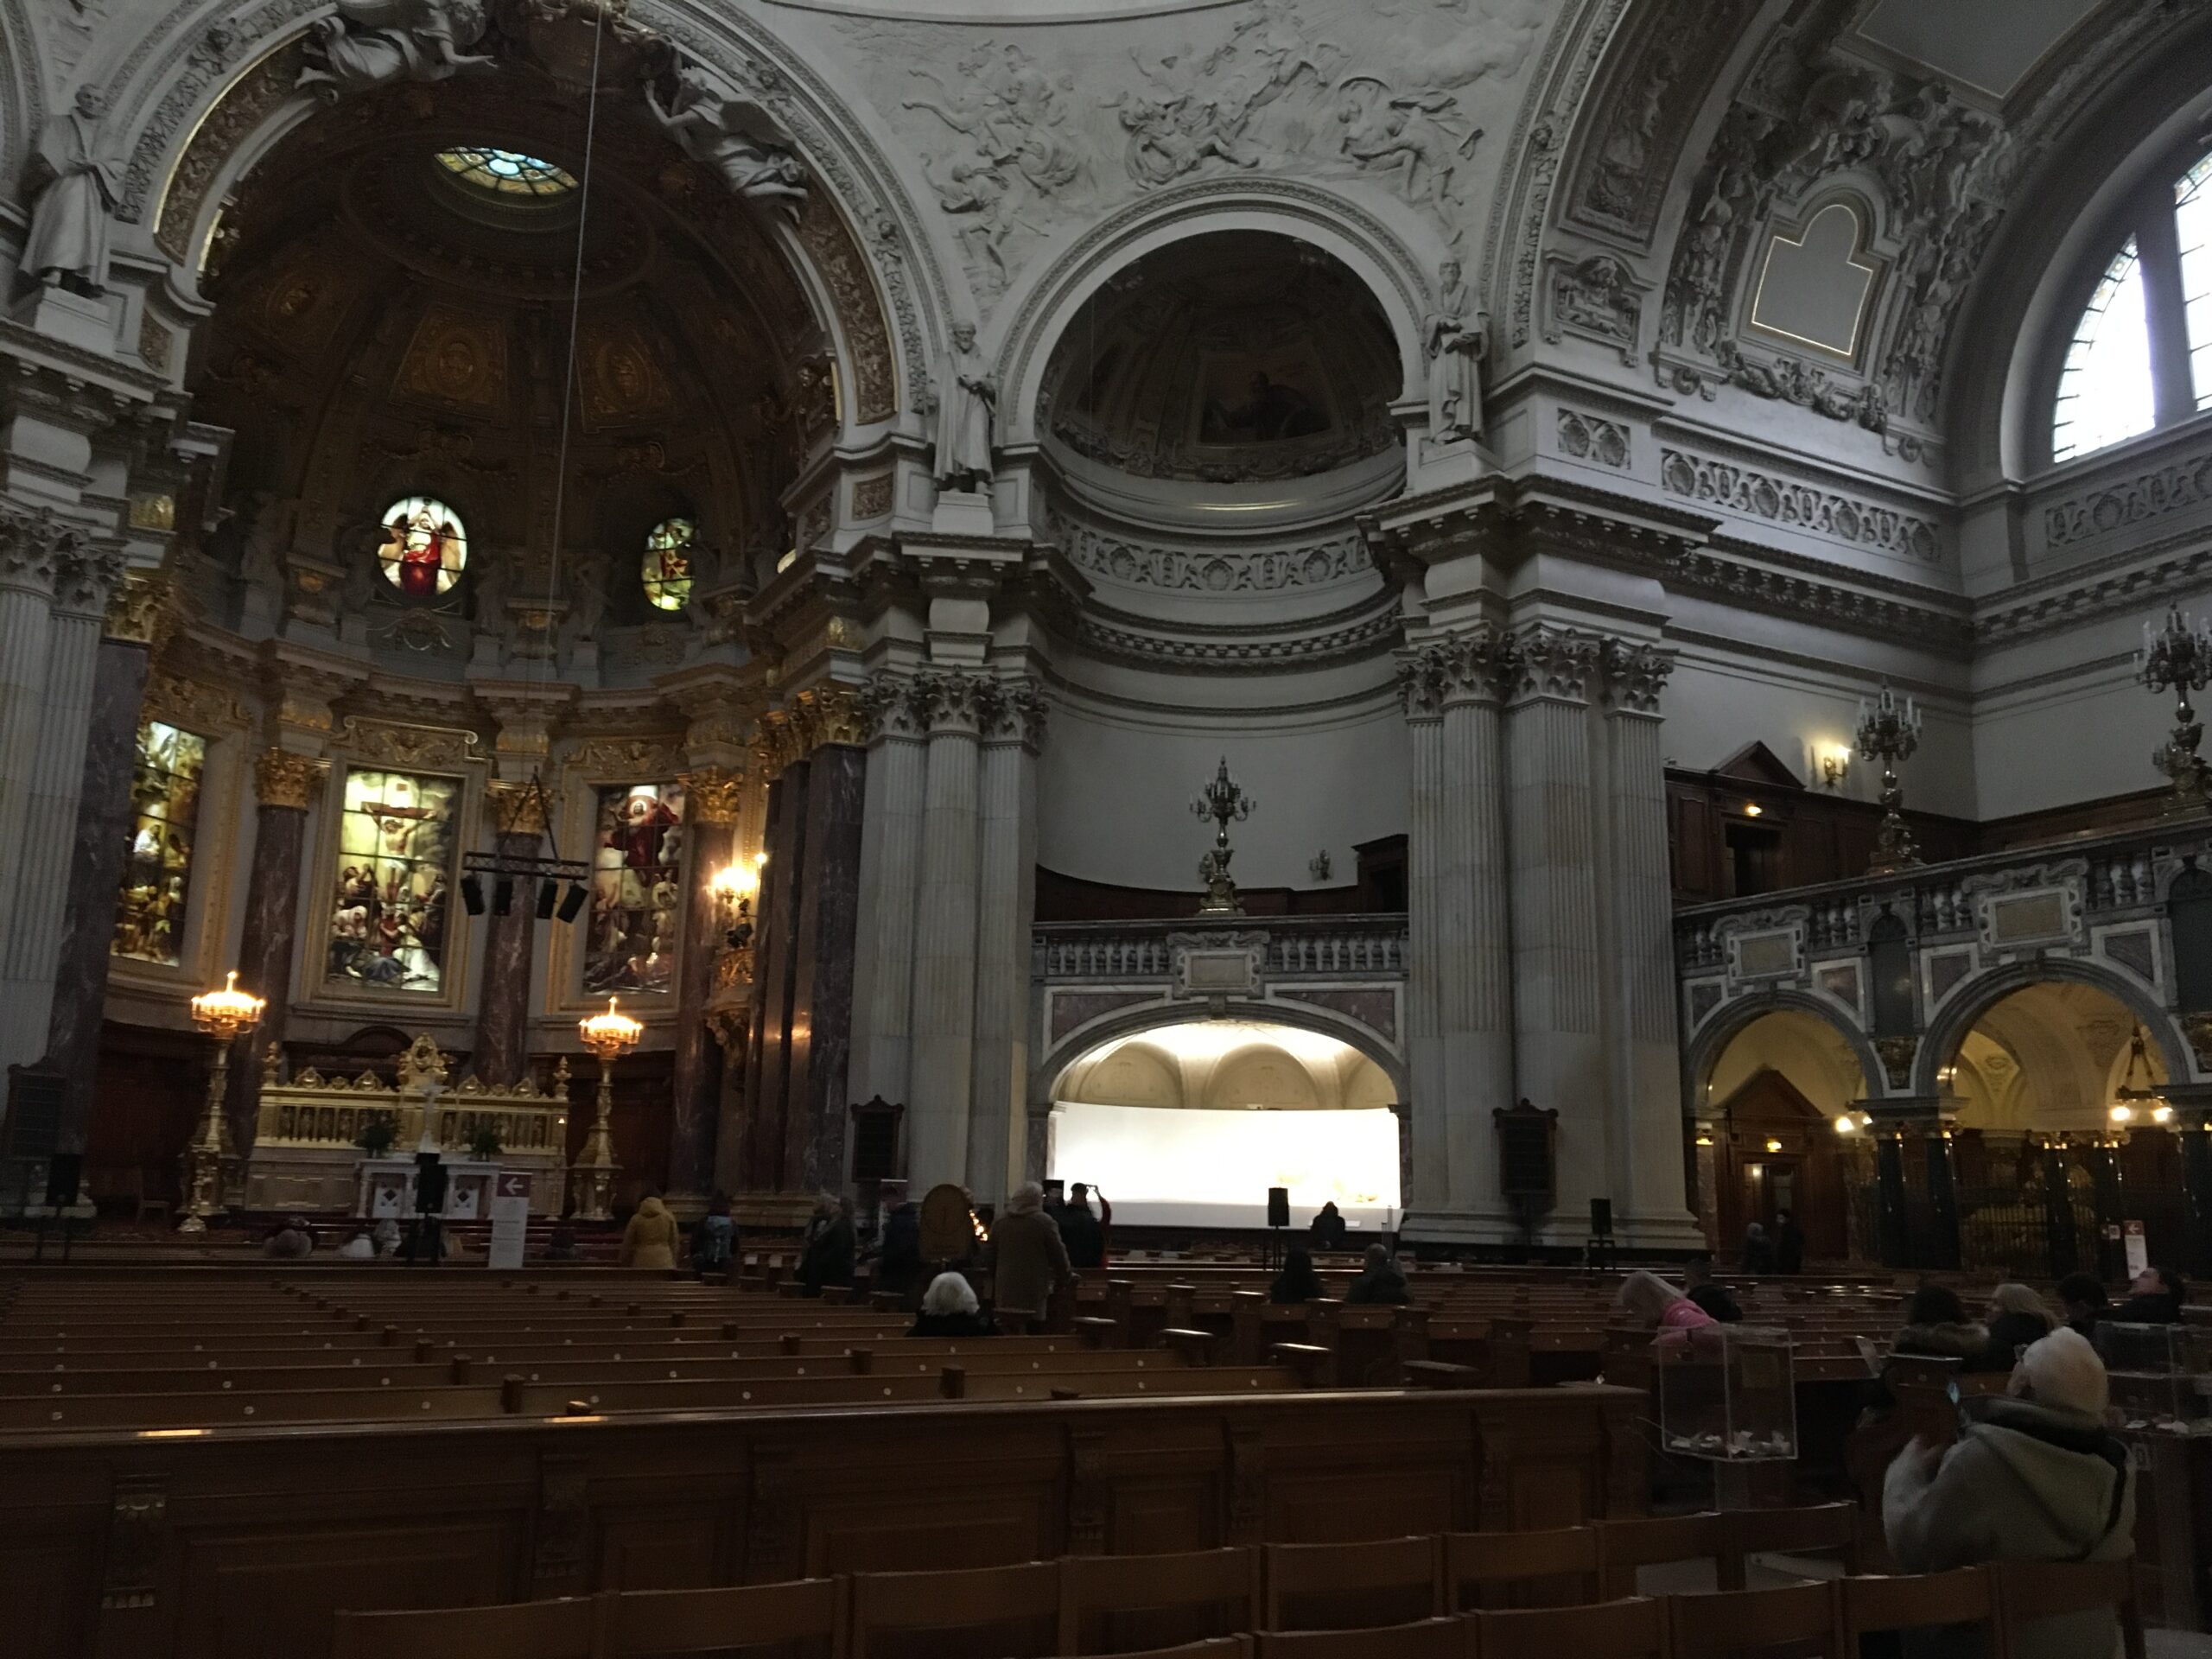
1278, 1206
548, 896
1601, 1218
430, 1184
472, 895
503, 895
64, 1172
572, 901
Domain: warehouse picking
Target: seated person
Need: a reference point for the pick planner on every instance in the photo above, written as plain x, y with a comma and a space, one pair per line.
1327, 1229
1297, 1284
1379, 1281
2016, 1317
1708, 1292
1646, 1296
2159, 1294
950, 1309
359, 1247
2082, 1296
2031, 1478
289, 1242
1936, 1327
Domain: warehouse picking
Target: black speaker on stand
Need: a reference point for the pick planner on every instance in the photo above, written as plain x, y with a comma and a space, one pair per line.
1278, 1218
1599, 1253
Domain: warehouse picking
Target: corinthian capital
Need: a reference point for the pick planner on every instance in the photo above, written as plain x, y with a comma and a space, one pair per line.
1635, 674
283, 778
713, 794
1553, 661
33, 543
1012, 711
85, 576
953, 699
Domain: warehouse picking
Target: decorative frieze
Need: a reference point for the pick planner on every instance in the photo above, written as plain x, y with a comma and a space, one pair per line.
407, 747
193, 705
1799, 507
1597, 299
1208, 570
2181, 484
1593, 439
624, 760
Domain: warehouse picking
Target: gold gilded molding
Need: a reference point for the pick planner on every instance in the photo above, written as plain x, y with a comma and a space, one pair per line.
283, 778
154, 509
713, 794
138, 611
407, 745
874, 383
516, 809
248, 101
829, 714
776, 744
625, 760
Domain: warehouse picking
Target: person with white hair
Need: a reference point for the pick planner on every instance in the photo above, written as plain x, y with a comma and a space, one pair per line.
950, 1309
2033, 1476
1028, 1260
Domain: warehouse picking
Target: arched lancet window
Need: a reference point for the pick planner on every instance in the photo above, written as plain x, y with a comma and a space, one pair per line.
425, 549
667, 565
2141, 352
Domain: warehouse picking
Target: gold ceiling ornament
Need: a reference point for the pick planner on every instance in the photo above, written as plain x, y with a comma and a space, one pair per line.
138, 610
517, 809
283, 778
713, 794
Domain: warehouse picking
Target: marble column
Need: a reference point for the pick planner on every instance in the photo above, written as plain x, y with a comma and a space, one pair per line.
768, 1058
287, 784
891, 850
1011, 727
503, 997
32, 547
31, 943
712, 800
104, 831
1557, 967
941, 1085
822, 977
1421, 688
1650, 1204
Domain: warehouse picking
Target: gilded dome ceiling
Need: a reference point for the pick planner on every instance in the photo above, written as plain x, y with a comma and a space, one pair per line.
1236, 358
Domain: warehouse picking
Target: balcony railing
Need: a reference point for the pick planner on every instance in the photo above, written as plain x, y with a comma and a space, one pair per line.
1293, 947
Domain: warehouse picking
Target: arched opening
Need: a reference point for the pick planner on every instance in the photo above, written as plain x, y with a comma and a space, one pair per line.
1767, 1142
1189, 1124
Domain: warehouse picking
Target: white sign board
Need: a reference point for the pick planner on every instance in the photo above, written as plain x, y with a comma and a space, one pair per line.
2138, 1247
509, 1219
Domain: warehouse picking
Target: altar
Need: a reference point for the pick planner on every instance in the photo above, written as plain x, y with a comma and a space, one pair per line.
308, 1153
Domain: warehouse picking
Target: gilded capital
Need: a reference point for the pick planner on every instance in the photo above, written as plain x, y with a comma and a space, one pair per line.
829, 714
137, 610
283, 778
713, 794
516, 809
776, 744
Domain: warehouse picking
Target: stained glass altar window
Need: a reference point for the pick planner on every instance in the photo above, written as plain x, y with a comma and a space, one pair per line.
636, 891
395, 862
506, 172
425, 548
668, 564
157, 871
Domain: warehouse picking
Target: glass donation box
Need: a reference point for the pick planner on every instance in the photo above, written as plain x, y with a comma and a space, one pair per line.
1726, 1393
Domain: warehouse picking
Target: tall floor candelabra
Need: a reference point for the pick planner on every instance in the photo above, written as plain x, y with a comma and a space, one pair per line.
1889, 731
1224, 801
2178, 658
607, 1035
225, 1015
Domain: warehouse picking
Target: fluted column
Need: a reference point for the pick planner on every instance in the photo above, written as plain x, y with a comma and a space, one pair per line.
104, 828
713, 798
287, 784
1649, 1202
891, 852
1421, 688
32, 546
941, 1084
30, 941
1558, 972
503, 998
1013, 724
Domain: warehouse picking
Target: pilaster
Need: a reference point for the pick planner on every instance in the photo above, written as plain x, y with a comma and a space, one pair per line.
713, 797
286, 784
891, 846
941, 1084
1012, 728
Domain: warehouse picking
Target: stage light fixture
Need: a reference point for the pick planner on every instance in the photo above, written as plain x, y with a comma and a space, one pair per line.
572, 902
548, 895
472, 895
503, 895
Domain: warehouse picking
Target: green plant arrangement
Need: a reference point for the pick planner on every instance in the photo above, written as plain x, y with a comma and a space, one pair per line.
484, 1144
377, 1133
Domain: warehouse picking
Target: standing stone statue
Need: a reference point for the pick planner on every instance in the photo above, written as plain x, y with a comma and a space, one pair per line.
371, 43
728, 134
76, 186
967, 402
1457, 335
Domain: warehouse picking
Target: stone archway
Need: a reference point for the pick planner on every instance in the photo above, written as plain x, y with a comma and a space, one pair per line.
1965, 1009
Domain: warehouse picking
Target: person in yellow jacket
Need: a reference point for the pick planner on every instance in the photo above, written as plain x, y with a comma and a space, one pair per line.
650, 1239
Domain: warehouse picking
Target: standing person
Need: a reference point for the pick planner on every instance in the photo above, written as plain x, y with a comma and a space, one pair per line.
1788, 1244
1327, 1229
651, 1239
1081, 1231
899, 1260
714, 1241
2082, 1296
1028, 1260
1758, 1253
2033, 1478
831, 1252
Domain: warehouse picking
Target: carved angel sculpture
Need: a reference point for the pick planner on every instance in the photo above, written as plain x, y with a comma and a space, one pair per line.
735, 137
78, 185
371, 43
1457, 336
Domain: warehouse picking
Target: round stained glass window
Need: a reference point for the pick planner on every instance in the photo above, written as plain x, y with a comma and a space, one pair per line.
507, 172
667, 566
425, 549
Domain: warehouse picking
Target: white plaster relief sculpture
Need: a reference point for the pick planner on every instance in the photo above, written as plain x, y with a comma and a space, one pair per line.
735, 137
1411, 135
371, 43
1014, 152
967, 398
1456, 338
77, 185
1598, 299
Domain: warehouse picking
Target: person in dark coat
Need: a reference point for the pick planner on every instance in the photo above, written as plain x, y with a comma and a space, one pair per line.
1379, 1281
1081, 1231
1936, 1327
2082, 1296
2160, 1294
1029, 1262
900, 1263
2016, 1317
1708, 1292
714, 1241
1788, 1244
1758, 1250
950, 1309
831, 1252
1297, 1284
1327, 1229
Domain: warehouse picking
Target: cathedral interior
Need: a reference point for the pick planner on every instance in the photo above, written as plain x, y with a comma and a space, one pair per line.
1567, 625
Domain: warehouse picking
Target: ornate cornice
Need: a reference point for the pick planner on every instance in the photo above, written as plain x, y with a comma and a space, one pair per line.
283, 778
713, 794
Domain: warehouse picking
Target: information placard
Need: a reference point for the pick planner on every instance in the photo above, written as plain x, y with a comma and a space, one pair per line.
510, 1218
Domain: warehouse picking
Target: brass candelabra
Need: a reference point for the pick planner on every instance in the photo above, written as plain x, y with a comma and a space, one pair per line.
1224, 801
1889, 731
608, 1035
2178, 658
225, 1015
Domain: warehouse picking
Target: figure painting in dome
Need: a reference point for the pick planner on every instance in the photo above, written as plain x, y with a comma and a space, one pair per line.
1256, 400
395, 856
157, 870
636, 891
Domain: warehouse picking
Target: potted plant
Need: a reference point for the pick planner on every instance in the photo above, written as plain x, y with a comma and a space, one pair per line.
378, 1133
484, 1144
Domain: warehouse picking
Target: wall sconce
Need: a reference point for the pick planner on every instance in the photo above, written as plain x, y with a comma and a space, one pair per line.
1753, 810
733, 886
1704, 1137
1846, 1124
2122, 1114
1774, 1145
1835, 765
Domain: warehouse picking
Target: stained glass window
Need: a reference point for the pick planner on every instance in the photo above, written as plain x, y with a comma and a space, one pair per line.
506, 172
425, 549
636, 894
157, 871
395, 862
2193, 223
668, 564
2105, 391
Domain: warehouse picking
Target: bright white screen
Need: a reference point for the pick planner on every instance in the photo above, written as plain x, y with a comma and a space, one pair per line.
1188, 1166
